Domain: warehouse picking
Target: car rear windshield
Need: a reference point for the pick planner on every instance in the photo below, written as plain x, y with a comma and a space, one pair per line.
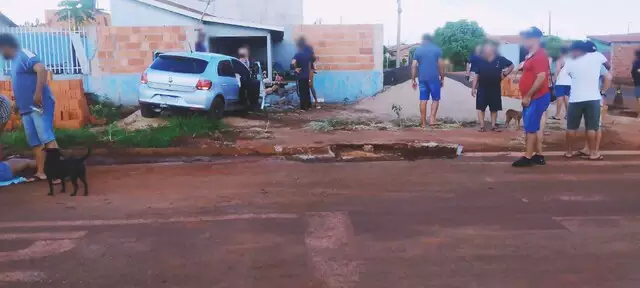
179, 64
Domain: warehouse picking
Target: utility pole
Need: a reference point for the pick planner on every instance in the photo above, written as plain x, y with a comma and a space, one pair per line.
549, 23
399, 34
629, 27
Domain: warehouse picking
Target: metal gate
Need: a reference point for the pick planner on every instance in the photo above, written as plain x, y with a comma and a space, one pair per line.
63, 51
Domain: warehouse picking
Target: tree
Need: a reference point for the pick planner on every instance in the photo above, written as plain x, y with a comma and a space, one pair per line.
458, 39
78, 12
552, 45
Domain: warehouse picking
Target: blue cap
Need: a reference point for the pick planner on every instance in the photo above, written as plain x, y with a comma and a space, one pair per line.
532, 33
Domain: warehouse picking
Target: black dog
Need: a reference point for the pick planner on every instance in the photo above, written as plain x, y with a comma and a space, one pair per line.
56, 166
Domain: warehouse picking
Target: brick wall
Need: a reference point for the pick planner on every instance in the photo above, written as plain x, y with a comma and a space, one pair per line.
341, 47
130, 49
71, 112
622, 56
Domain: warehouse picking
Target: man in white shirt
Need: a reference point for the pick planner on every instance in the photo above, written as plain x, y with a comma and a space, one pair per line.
563, 83
586, 95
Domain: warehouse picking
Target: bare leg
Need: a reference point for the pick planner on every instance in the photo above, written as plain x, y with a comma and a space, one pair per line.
540, 136
531, 140
423, 113
565, 101
19, 165
40, 156
638, 109
494, 119
313, 93
571, 134
481, 120
434, 112
559, 104
592, 137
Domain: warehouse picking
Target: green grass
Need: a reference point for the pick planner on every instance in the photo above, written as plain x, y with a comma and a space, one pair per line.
156, 137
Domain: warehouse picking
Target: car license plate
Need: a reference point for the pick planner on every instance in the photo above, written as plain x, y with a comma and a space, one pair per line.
169, 99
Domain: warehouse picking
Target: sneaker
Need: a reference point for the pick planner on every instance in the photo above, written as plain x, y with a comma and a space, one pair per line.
523, 162
538, 160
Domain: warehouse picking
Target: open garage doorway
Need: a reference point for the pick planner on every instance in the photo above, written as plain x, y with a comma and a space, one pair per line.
230, 45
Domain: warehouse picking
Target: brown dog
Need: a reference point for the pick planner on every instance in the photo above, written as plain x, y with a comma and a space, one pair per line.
513, 115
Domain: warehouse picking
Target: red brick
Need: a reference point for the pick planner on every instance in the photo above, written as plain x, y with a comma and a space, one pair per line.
154, 38
136, 62
366, 51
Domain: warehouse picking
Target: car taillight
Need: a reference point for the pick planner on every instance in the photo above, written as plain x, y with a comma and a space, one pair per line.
143, 78
204, 84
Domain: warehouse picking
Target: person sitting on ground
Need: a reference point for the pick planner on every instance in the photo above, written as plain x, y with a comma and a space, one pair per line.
490, 70
12, 168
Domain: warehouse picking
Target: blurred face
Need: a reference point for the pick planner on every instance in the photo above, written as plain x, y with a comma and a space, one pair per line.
479, 50
489, 50
530, 43
576, 53
243, 52
8, 52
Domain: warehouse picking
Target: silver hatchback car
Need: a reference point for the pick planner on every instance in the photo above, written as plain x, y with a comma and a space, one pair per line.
197, 81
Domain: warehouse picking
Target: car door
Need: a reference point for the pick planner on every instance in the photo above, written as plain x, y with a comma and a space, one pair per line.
228, 80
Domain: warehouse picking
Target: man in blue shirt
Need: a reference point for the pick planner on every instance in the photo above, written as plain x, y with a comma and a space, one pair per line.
34, 100
429, 66
302, 64
200, 43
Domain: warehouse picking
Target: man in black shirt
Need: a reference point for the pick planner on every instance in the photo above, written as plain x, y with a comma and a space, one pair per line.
635, 73
490, 70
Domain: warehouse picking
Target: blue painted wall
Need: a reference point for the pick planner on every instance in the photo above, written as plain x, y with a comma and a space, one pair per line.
118, 88
338, 86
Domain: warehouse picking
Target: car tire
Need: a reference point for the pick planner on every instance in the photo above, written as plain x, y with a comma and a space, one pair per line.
216, 112
147, 111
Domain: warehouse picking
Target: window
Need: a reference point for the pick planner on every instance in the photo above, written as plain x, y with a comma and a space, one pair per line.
179, 64
225, 69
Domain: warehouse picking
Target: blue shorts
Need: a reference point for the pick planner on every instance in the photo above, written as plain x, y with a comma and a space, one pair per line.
532, 115
5, 172
637, 91
38, 127
563, 90
430, 88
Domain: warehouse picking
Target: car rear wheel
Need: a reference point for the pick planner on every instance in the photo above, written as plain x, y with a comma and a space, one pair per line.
147, 111
216, 112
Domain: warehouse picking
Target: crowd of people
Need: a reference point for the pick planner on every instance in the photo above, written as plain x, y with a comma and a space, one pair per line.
578, 86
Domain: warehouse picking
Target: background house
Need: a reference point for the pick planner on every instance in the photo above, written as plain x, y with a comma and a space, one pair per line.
6, 22
103, 19
621, 49
405, 50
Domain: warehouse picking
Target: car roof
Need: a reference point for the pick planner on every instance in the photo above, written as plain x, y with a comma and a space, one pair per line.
200, 55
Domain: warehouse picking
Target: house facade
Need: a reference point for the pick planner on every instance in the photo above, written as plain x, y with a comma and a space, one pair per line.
5, 22
621, 49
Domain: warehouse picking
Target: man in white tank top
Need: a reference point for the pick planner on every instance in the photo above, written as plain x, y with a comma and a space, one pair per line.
563, 83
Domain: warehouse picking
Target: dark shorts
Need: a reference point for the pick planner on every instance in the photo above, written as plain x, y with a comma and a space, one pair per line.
532, 115
590, 110
491, 99
430, 89
637, 92
563, 90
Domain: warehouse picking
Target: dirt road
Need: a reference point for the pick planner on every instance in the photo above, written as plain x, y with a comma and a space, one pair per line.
470, 222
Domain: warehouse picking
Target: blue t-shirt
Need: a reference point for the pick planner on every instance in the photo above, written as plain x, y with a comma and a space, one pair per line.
427, 57
303, 60
23, 81
473, 61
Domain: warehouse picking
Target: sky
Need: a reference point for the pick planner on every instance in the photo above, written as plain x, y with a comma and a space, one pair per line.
570, 18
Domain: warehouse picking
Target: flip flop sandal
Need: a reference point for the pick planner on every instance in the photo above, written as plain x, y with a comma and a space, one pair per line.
496, 129
575, 154
35, 178
482, 129
581, 154
555, 118
588, 158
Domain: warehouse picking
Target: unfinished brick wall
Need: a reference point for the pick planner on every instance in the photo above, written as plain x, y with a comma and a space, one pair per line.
71, 112
622, 57
130, 49
341, 47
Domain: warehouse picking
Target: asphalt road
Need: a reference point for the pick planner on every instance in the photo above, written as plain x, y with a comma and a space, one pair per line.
470, 222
